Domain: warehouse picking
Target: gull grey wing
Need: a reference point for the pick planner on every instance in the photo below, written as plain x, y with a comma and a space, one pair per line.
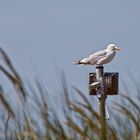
93, 58
99, 53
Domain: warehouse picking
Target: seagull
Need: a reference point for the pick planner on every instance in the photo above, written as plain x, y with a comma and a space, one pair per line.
100, 58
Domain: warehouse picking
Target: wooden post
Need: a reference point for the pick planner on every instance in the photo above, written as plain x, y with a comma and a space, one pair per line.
101, 98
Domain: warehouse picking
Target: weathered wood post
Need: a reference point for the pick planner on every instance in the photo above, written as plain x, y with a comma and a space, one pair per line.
101, 99
102, 84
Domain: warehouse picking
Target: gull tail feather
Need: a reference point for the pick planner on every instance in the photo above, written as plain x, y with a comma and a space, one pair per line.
79, 63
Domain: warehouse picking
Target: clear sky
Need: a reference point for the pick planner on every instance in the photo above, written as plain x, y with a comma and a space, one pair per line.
43, 37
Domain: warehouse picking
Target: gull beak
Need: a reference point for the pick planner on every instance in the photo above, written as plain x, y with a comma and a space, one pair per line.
116, 48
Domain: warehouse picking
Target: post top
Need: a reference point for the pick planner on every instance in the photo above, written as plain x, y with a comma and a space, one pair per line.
99, 67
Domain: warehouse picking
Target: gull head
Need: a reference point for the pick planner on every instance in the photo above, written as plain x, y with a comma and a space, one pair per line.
113, 47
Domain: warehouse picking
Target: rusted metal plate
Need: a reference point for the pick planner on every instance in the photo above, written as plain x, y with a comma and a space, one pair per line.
111, 83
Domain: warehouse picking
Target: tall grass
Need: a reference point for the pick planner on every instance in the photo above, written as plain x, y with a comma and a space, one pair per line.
35, 117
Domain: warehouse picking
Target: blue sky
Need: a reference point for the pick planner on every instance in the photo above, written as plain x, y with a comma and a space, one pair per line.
44, 37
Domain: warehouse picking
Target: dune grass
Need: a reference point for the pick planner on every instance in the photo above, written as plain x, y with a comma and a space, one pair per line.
35, 118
